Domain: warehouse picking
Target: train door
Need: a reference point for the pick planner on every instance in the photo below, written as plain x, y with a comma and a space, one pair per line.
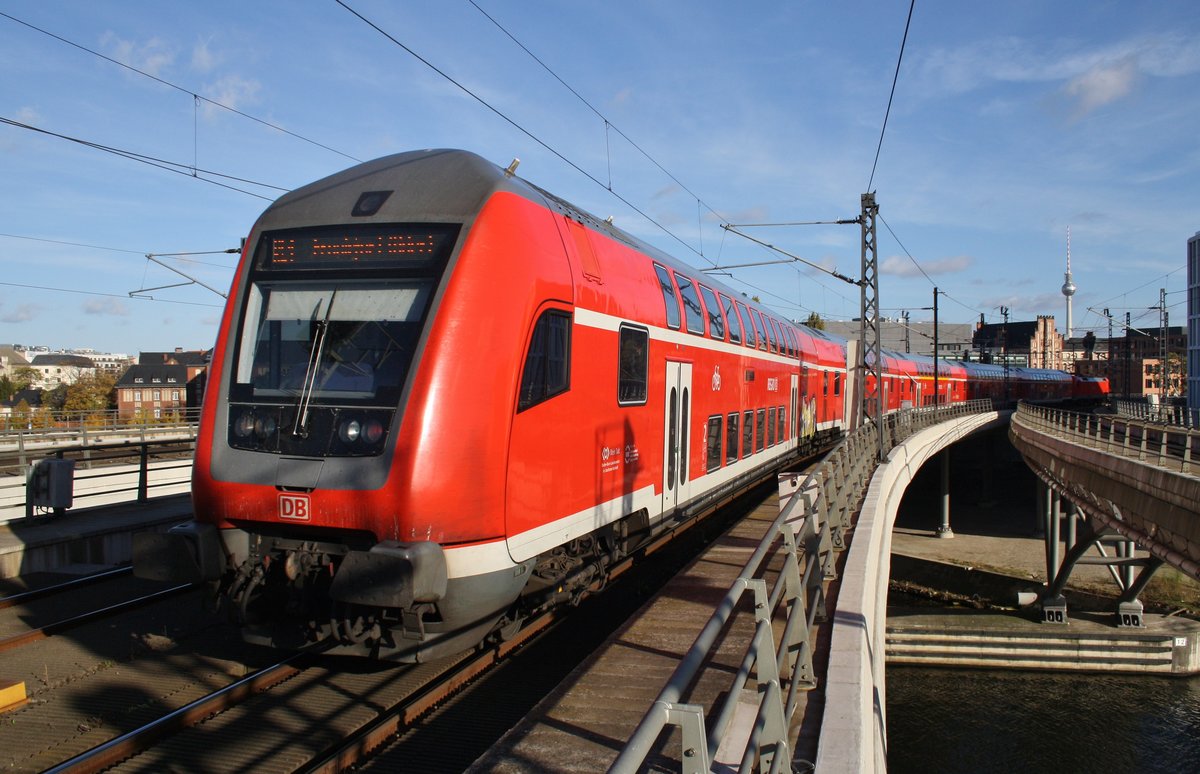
677, 420
795, 406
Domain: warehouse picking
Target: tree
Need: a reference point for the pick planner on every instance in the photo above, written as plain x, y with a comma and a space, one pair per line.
25, 377
815, 322
7, 387
90, 394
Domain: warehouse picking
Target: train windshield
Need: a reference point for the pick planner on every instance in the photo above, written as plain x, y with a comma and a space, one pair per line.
330, 342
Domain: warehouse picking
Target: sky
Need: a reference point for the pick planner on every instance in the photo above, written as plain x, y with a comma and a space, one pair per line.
1010, 123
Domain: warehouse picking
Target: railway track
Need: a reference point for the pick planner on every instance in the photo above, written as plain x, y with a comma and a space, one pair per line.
53, 602
326, 714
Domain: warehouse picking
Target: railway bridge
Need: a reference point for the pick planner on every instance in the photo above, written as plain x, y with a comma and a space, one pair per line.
1110, 476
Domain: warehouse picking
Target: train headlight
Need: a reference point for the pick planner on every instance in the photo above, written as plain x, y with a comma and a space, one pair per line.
350, 431
373, 432
244, 425
265, 427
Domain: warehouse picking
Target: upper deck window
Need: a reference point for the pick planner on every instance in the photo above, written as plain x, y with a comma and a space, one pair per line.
669, 298
691, 305
735, 325
750, 339
716, 323
759, 331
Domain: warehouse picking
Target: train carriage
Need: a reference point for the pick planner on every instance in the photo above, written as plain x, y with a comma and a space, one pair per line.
443, 399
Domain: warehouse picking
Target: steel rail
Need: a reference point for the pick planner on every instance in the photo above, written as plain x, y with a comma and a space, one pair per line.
129, 744
44, 632
86, 580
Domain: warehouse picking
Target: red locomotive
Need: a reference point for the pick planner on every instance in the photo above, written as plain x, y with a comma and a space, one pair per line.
442, 398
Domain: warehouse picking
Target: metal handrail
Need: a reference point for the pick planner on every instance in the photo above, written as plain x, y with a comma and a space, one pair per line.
149, 468
1169, 447
807, 533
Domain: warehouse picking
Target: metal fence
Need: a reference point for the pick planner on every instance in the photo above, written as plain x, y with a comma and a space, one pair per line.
1173, 414
102, 474
1170, 447
784, 581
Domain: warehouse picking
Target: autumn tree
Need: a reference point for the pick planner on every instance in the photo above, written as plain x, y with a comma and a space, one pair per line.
91, 395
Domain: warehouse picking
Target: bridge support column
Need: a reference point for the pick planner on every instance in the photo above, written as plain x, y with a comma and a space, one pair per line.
943, 530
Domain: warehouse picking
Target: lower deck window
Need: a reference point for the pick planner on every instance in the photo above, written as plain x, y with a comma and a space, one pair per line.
712, 442
731, 439
748, 434
633, 365
760, 430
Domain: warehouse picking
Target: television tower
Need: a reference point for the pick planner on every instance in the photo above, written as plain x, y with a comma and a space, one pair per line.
1068, 288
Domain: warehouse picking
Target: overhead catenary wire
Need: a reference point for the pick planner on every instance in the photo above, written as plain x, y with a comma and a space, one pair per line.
196, 96
187, 170
895, 78
106, 295
513, 123
607, 123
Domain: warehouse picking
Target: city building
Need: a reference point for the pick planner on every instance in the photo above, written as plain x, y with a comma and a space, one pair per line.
162, 385
55, 368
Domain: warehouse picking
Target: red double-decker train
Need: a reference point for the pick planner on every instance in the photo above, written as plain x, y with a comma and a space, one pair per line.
443, 398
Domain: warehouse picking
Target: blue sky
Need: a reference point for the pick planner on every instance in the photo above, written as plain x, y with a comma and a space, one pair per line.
1011, 121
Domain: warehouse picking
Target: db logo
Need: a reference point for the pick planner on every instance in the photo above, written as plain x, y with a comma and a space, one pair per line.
294, 507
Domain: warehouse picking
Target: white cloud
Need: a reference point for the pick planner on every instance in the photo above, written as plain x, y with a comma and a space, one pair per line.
1102, 84
153, 57
901, 266
203, 58
113, 307
231, 91
23, 313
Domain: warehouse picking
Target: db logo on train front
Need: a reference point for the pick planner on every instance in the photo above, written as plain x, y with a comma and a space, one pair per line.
294, 507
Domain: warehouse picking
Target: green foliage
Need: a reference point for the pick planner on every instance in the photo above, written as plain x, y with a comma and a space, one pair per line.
815, 322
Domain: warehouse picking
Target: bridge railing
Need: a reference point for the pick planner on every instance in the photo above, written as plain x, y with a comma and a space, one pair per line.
1173, 448
100, 474
785, 580
1157, 413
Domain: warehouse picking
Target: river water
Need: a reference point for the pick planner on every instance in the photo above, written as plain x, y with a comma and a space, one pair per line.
943, 720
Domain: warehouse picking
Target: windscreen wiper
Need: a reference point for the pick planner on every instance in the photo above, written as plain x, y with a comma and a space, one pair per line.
300, 429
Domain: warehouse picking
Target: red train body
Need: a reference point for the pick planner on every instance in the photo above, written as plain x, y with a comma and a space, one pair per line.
442, 398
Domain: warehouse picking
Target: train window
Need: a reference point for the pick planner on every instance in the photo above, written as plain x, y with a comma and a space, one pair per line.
669, 298
735, 325
837, 383
771, 426
747, 433
793, 347
760, 427
731, 439
781, 427
745, 313
824, 382
772, 333
712, 442
691, 305
364, 335
759, 331
547, 366
632, 365
716, 323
